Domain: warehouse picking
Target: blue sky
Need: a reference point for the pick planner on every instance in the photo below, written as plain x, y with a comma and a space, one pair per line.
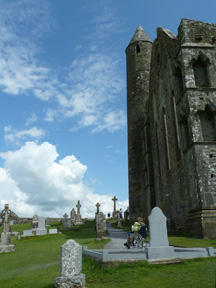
63, 130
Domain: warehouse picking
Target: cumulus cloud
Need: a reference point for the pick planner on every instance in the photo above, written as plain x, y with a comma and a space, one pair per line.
34, 181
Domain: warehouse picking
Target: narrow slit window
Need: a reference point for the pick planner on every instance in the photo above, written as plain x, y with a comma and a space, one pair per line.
138, 48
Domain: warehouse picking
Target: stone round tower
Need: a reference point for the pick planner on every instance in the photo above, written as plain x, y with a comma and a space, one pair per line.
138, 55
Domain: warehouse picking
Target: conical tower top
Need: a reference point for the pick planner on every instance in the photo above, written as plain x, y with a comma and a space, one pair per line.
140, 35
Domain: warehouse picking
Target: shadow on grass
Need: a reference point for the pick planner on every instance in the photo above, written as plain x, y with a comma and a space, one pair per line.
50, 286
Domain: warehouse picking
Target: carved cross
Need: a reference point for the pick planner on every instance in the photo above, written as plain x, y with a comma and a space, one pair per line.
97, 205
78, 207
65, 216
114, 199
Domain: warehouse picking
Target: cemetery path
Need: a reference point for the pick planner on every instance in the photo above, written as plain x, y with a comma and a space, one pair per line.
118, 237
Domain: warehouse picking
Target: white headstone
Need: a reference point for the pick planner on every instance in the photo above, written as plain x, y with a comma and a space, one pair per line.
41, 223
53, 231
158, 245
158, 228
41, 230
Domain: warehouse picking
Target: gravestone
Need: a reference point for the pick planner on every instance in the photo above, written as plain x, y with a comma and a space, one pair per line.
78, 218
41, 230
34, 224
71, 266
114, 215
65, 223
73, 216
100, 225
158, 244
27, 233
119, 223
53, 231
5, 241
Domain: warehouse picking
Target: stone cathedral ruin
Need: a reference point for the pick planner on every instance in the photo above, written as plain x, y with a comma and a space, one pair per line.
171, 108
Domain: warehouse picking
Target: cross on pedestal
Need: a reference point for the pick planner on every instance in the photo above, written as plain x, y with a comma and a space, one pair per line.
97, 205
78, 207
114, 199
65, 216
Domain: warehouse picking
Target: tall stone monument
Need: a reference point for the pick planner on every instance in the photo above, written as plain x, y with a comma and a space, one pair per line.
78, 217
5, 241
73, 216
114, 215
97, 205
71, 266
100, 225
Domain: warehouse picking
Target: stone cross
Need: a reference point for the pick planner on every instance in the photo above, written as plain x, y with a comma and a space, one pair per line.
5, 240
65, 216
114, 199
97, 205
78, 207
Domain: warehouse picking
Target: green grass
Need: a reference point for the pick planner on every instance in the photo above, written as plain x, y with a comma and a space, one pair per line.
36, 262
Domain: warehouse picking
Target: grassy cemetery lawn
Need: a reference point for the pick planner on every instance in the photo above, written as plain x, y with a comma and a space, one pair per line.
36, 263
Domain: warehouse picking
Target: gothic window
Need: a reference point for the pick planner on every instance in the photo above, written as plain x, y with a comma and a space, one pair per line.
137, 48
157, 147
165, 136
178, 80
207, 119
185, 132
175, 127
201, 71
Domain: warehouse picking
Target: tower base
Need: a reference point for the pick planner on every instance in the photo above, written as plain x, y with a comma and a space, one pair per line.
201, 223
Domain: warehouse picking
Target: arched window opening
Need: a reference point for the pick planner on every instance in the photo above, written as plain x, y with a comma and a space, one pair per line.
157, 147
138, 48
178, 80
201, 71
166, 143
185, 132
175, 127
207, 119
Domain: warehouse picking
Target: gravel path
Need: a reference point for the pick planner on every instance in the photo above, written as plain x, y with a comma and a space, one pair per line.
118, 237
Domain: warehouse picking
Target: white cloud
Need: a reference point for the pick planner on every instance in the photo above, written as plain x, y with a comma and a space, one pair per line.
50, 115
33, 118
96, 85
34, 182
15, 136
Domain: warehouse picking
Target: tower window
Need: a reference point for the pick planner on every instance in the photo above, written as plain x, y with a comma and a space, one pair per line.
201, 74
137, 48
207, 119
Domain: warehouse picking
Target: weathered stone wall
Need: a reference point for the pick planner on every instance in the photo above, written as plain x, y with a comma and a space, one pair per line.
178, 134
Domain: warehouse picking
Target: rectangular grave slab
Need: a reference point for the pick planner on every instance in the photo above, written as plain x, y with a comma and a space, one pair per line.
41, 231
27, 233
53, 231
